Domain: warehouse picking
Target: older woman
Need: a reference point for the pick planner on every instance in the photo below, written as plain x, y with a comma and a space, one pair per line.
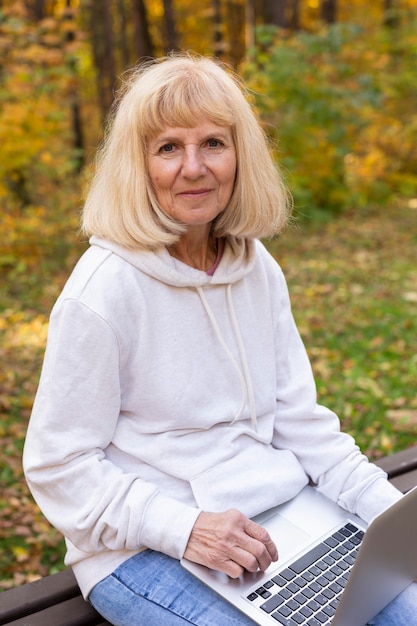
175, 382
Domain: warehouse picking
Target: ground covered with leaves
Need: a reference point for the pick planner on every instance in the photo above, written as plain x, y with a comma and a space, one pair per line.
353, 281
354, 291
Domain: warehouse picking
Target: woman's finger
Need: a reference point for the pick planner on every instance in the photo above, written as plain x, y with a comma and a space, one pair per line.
260, 534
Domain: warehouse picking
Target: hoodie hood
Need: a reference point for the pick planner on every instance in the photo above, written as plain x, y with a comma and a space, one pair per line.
237, 261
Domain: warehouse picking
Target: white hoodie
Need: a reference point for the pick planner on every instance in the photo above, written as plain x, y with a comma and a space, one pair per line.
166, 391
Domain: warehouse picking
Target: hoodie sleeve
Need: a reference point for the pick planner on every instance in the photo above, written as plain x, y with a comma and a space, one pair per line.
330, 458
95, 504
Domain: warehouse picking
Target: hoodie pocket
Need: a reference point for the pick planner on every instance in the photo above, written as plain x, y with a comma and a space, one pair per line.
251, 481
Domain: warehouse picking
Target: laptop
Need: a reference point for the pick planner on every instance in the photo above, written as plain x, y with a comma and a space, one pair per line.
332, 568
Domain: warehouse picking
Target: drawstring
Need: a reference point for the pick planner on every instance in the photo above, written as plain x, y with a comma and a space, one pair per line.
248, 378
244, 378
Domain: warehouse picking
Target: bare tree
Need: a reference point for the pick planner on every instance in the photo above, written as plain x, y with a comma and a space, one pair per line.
171, 31
294, 14
142, 40
123, 41
218, 29
391, 14
274, 12
235, 21
249, 25
74, 96
36, 8
102, 41
328, 11
39, 9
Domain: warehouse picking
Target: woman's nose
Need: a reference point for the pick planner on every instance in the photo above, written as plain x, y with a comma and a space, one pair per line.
193, 165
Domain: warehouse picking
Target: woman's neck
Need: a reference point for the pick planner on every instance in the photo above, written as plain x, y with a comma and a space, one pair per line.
196, 251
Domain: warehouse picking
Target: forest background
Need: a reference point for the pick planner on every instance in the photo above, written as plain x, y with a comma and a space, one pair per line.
334, 82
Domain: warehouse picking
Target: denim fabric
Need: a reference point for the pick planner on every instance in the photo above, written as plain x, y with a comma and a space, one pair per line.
401, 612
152, 589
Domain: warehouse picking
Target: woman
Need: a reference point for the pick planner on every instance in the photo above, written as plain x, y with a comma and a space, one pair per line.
174, 374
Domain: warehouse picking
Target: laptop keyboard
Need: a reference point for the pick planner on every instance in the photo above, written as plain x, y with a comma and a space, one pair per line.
308, 591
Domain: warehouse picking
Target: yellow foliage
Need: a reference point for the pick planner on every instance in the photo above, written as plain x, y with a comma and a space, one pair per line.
16, 9
21, 554
386, 443
36, 99
19, 332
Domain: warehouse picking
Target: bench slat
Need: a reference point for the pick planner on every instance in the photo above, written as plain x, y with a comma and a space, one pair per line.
399, 463
405, 482
51, 601
73, 612
32, 597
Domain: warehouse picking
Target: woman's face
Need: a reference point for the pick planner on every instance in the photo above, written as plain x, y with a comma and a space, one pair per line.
193, 171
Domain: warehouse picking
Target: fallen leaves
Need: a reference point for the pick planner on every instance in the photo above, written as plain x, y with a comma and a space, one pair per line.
410, 296
352, 282
403, 418
29, 547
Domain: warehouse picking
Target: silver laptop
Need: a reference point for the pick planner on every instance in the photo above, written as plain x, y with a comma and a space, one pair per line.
330, 570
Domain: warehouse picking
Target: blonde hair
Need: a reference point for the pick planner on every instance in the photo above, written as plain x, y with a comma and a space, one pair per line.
178, 90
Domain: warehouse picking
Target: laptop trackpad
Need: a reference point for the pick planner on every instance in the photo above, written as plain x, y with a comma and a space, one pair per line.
288, 537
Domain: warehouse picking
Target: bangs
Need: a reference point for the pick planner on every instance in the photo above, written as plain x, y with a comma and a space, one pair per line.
186, 101
180, 91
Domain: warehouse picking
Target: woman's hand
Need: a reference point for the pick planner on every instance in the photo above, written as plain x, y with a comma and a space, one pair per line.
231, 543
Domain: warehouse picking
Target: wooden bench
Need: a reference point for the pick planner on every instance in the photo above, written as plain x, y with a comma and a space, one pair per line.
401, 468
56, 600
51, 601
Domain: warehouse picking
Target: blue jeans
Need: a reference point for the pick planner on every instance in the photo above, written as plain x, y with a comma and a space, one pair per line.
152, 589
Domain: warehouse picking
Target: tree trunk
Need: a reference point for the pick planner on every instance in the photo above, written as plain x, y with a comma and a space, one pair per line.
274, 12
249, 25
36, 8
103, 52
171, 31
40, 9
123, 35
218, 29
142, 38
235, 28
391, 15
74, 96
294, 20
328, 11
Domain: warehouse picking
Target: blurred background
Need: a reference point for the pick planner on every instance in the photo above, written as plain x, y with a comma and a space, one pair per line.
335, 85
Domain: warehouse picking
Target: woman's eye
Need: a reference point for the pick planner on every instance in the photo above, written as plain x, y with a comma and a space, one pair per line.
167, 148
214, 143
